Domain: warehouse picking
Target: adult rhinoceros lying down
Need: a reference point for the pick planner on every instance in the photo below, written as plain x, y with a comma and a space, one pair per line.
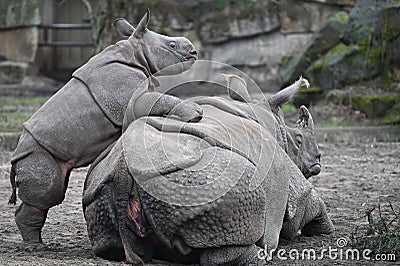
86, 115
212, 192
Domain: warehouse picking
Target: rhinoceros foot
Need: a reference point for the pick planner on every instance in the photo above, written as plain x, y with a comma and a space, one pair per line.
32, 246
322, 226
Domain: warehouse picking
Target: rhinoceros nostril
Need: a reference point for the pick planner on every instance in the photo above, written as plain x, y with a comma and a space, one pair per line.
193, 53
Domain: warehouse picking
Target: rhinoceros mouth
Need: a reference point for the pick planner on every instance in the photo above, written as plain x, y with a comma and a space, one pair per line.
314, 169
190, 58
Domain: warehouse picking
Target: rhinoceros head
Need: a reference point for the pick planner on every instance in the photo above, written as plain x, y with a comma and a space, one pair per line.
169, 55
303, 148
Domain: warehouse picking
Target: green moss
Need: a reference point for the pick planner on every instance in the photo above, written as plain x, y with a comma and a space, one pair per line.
341, 17
389, 21
393, 115
288, 106
285, 60
309, 90
374, 105
333, 56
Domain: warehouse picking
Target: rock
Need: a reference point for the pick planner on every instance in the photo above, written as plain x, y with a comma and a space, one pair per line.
393, 52
374, 105
343, 65
259, 56
299, 16
19, 44
237, 20
363, 20
323, 39
12, 72
18, 13
389, 22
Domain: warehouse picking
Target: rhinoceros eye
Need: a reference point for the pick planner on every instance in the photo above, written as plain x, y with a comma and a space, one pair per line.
172, 45
299, 139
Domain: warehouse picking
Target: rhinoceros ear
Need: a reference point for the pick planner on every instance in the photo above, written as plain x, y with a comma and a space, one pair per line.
237, 88
123, 27
305, 119
142, 26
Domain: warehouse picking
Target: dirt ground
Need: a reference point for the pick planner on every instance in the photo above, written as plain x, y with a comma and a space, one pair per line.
354, 178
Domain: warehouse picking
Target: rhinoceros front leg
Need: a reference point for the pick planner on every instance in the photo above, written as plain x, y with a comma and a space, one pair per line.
320, 222
232, 255
157, 104
310, 217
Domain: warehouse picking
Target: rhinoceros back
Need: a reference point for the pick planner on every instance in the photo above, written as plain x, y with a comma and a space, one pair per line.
71, 125
223, 161
112, 77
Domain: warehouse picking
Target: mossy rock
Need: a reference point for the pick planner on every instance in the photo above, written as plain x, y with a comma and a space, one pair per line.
374, 105
344, 65
389, 21
323, 39
338, 97
363, 20
393, 115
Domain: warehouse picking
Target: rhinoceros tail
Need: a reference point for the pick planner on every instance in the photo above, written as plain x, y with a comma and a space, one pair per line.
13, 197
287, 93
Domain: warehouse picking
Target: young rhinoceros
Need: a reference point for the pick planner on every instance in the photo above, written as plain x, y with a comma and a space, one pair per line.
213, 191
82, 119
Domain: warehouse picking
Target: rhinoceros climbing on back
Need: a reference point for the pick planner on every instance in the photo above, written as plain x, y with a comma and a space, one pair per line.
212, 192
82, 119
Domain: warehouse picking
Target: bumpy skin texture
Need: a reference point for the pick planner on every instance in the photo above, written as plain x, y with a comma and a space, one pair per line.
306, 211
224, 230
85, 117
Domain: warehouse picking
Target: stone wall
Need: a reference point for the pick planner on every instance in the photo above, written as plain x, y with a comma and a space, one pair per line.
18, 37
253, 36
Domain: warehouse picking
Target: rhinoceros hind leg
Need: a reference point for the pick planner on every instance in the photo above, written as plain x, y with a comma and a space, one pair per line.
232, 255
102, 225
30, 221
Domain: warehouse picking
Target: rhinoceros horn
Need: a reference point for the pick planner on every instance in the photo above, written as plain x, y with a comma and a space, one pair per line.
142, 26
305, 119
286, 94
123, 27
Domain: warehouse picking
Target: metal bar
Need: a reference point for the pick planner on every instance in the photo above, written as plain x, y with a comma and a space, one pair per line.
66, 44
66, 26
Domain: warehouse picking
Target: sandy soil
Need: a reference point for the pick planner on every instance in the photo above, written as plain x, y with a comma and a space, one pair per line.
353, 179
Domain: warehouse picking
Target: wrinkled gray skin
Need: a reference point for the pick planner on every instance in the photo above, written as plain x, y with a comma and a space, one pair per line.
124, 221
82, 119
